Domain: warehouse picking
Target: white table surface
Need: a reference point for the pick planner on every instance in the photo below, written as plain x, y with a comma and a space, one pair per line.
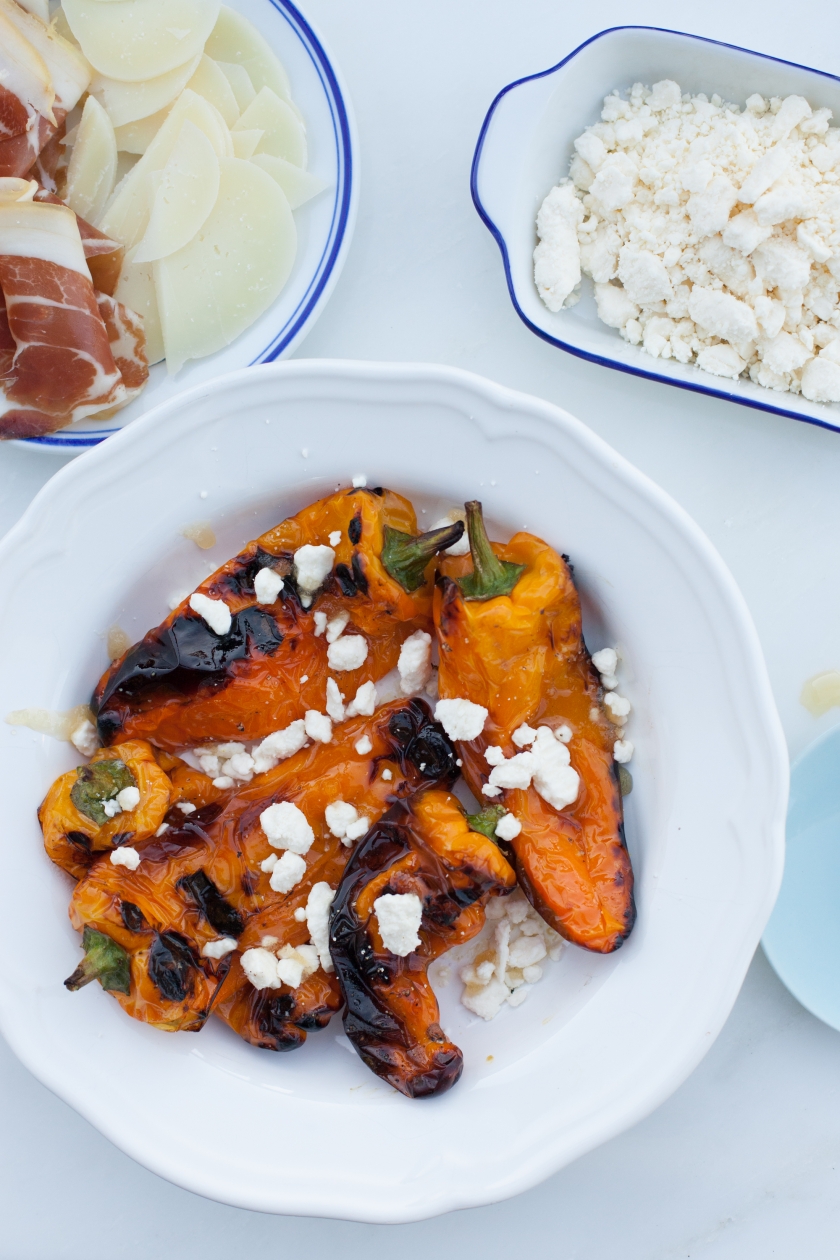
743, 1160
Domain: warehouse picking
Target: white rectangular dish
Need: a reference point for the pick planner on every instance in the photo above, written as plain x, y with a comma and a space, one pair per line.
526, 143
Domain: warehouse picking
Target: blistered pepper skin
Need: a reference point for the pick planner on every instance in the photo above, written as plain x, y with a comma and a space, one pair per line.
203, 879
425, 847
522, 656
183, 684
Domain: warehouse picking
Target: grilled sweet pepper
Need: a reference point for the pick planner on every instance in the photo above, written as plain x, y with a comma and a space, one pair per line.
425, 849
184, 683
508, 622
207, 880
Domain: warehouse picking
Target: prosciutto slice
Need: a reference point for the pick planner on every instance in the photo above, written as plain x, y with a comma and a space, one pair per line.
104, 256
63, 367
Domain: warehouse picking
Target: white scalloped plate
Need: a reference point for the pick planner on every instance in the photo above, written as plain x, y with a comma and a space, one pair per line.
600, 1041
325, 227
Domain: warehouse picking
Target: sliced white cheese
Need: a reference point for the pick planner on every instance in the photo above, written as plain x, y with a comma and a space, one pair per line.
240, 83
245, 143
140, 39
284, 136
93, 163
299, 186
38, 8
136, 289
235, 39
135, 137
127, 102
68, 70
127, 214
24, 70
210, 82
214, 288
187, 192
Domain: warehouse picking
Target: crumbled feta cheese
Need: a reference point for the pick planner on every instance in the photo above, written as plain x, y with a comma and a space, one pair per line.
490, 789
210, 764
335, 537
363, 703
709, 234
508, 827
125, 856
320, 624
267, 586
279, 746
318, 921
218, 948
619, 706
357, 829
563, 733
348, 652
335, 701
546, 766
290, 971
268, 864
300, 915
506, 964
359, 481
398, 917
268, 942
524, 735
214, 612
128, 798
223, 782
312, 566
239, 767
336, 627
84, 738
260, 966
111, 808
605, 661
461, 719
344, 822
317, 726
363, 746
288, 871
186, 807
623, 751
387, 775
162, 829
494, 755
462, 546
415, 662
286, 827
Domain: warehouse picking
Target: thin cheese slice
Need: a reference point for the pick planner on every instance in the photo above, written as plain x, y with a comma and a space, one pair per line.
136, 290
284, 135
38, 8
236, 40
214, 288
245, 143
240, 83
135, 137
127, 214
93, 163
140, 39
24, 71
68, 70
299, 186
127, 102
185, 196
210, 82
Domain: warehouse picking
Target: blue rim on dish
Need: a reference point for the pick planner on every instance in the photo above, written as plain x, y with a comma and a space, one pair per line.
303, 312
502, 244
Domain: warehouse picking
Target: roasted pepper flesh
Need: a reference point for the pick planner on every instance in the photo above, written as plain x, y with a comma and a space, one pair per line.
184, 685
522, 657
422, 846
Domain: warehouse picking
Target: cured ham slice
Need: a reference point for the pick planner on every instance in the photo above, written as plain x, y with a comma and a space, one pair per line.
63, 368
127, 340
104, 256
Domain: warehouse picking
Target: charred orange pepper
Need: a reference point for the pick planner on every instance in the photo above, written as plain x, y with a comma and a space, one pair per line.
204, 878
509, 630
183, 684
76, 814
423, 846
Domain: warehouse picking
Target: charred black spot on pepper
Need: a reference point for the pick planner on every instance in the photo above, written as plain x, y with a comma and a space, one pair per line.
172, 966
423, 743
132, 916
239, 581
354, 530
345, 580
122, 837
272, 1015
79, 838
359, 574
249, 883
218, 912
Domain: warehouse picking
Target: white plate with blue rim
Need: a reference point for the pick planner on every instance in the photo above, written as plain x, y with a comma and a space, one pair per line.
602, 1039
324, 225
526, 143
802, 939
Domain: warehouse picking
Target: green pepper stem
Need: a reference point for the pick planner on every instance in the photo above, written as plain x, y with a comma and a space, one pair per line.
490, 576
405, 556
105, 961
485, 821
